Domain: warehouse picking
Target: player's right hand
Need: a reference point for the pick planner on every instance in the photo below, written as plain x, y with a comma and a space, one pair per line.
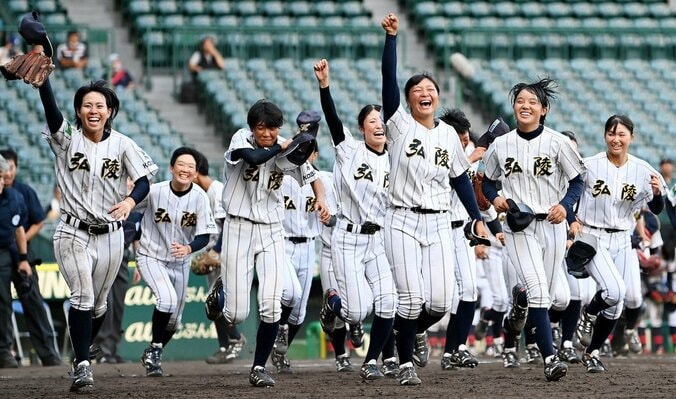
574, 229
322, 72
285, 144
390, 23
500, 204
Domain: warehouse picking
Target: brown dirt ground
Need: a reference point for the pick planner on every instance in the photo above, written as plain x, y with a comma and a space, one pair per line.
641, 376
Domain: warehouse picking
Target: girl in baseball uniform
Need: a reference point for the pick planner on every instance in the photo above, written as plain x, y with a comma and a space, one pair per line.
616, 186
177, 221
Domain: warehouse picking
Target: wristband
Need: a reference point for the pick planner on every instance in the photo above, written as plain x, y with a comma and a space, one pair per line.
23, 257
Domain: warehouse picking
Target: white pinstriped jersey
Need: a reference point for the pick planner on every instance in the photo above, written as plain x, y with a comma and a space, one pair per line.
330, 198
612, 195
535, 172
671, 194
300, 218
215, 194
253, 191
169, 218
458, 211
422, 162
361, 180
93, 176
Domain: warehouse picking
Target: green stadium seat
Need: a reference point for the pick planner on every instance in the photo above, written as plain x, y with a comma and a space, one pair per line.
541, 22
335, 21
606, 45
273, 8
609, 10
583, 10
516, 22
595, 22
18, 6
308, 21
193, 7
173, 21
361, 21
140, 7
245, 8
533, 9
200, 20
219, 8
633, 46
254, 20
435, 25
480, 9
165, 7
327, 8
145, 21
454, 8
646, 22
227, 20
299, 8
45, 6
668, 23
506, 9
568, 22
635, 10
352, 9
282, 21
559, 10
660, 10
58, 18
426, 9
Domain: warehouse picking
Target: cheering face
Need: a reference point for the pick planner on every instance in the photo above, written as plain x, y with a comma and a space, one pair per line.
528, 110
423, 99
618, 140
94, 113
10, 174
265, 136
184, 171
374, 131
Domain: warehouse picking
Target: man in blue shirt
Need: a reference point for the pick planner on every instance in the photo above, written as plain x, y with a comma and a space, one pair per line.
27, 288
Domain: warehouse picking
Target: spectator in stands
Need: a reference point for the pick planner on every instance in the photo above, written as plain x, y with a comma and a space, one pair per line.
206, 57
120, 78
26, 285
73, 53
9, 49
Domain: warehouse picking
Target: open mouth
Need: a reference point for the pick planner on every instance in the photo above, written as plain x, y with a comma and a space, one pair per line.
379, 133
425, 104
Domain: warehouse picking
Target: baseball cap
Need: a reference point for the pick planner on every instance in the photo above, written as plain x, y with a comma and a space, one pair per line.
308, 122
581, 252
298, 151
496, 129
519, 216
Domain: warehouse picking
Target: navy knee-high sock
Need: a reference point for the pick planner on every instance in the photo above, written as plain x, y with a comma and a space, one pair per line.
497, 318
569, 320
404, 335
538, 322
293, 330
222, 331
233, 331
597, 304
511, 336
160, 323
555, 315
631, 316
425, 321
336, 305
388, 349
602, 328
338, 340
166, 337
97, 322
528, 336
459, 326
286, 312
265, 340
80, 328
380, 332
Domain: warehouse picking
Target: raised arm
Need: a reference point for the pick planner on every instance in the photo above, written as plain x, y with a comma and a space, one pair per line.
52, 112
390, 90
328, 107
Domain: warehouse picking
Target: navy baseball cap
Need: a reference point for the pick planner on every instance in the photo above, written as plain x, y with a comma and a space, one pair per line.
308, 122
519, 216
33, 32
580, 253
298, 151
496, 129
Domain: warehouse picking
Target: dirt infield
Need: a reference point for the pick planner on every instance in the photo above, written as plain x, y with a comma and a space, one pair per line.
641, 376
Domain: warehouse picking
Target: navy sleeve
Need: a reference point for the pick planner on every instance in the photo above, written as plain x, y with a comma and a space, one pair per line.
575, 188
199, 242
332, 119
141, 189
35, 213
656, 205
490, 189
463, 187
494, 226
219, 244
54, 117
257, 156
390, 90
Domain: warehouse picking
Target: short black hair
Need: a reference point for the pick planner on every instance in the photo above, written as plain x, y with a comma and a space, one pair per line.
10, 155
613, 121
544, 89
183, 151
570, 135
99, 86
265, 112
456, 119
365, 111
202, 164
664, 161
415, 79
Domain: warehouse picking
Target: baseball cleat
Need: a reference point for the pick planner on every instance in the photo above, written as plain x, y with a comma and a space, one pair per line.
83, 378
357, 335
343, 364
408, 375
281, 362
421, 351
510, 360
259, 377
569, 355
282, 340
446, 362
370, 372
152, 361
220, 357
593, 362
556, 337
533, 355
631, 337
516, 319
482, 326
235, 347
462, 358
214, 301
327, 319
555, 369
585, 327
390, 367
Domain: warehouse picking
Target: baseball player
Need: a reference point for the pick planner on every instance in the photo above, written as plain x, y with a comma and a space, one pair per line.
92, 164
363, 277
177, 221
230, 340
427, 164
253, 236
537, 167
616, 186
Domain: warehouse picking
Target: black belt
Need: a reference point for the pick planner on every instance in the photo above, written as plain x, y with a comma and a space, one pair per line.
94, 229
300, 240
366, 228
424, 211
242, 218
541, 216
607, 229
457, 223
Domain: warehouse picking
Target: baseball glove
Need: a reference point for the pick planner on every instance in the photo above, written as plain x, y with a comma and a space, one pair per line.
206, 262
481, 199
33, 68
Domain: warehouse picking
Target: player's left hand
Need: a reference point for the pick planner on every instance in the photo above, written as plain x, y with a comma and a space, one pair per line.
322, 210
556, 214
180, 251
501, 237
137, 276
122, 209
25, 268
476, 155
655, 185
481, 251
480, 229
